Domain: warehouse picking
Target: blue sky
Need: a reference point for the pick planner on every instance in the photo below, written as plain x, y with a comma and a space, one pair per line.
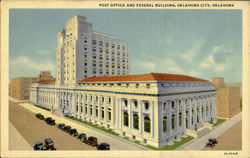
200, 43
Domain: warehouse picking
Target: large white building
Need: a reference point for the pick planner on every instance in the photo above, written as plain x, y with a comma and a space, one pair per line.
154, 108
83, 53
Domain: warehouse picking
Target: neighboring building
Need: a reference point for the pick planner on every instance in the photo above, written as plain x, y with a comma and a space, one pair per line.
155, 109
19, 88
227, 99
83, 53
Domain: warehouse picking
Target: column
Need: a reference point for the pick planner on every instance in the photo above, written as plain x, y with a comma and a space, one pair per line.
183, 126
177, 116
130, 113
169, 119
152, 118
99, 104
113, 112
117, 113
140, 115
120, 113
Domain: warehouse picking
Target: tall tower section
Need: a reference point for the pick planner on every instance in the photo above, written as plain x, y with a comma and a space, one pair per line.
85, 53
60, 57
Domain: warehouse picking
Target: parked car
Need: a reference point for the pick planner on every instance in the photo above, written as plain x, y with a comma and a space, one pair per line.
61, 126
49, 144
67, 129
51, 122
40, 116
47, 119
82, 137
213, 141
103, 146
39, 146
92, 141
209, 144
73, 132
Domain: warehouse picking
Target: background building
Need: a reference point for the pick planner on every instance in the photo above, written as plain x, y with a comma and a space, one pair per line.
19, 88
227, 98
83, 53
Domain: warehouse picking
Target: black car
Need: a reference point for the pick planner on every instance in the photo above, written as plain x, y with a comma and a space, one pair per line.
213, 141
61, 126
103, 146
67, 129
51, 122
49, 144
39, 146
40, 116
209, 144
47, 119
73, 132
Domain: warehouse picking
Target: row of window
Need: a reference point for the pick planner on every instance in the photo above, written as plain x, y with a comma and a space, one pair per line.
106, 44
137, 85
107, 71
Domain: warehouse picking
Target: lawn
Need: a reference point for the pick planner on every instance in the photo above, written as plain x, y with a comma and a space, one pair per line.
174, 146
219, 121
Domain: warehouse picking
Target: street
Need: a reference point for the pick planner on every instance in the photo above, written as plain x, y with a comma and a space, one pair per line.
23, 118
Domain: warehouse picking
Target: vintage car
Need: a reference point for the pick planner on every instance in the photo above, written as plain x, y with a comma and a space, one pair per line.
73, 132
213, 141
49, 144
67, 129
209, 144
61, 126
103, 146
82, 137
92, 141
40, 116
39, 146
51, 122
47, 119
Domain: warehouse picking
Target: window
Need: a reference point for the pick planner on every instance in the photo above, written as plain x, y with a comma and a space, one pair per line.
85, 62
102, 114
165, 124
107, 71
107, 57
107, 50
172, 104
173, 121
107, 64
146, 105
86, 109
94, 56
135, 103
96, 112
147, 124
125, 119
101, 43
113, 72
94, 41
101, 57
113, 58
107, 44
94, 49
94, 63
113, 51
148, 85
91, 110
85, 70
85, 47
101, 50
180, 119
118, 65
113, 65
118, 46
126, 102
137, 85
118, 53
94, 71
109, 113
135, 121
85, 40
113, 45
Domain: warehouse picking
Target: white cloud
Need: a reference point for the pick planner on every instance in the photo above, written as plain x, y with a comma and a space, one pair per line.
23, 62
193, 51
171, 66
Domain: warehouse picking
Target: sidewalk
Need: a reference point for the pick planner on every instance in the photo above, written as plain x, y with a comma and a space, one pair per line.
200, 143
14, 100
115, 142
16, 141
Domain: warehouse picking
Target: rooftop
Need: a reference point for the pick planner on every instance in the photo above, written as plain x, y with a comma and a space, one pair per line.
145, 77
47, 81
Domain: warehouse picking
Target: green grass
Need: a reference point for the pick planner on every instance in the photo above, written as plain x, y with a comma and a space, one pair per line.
174, 146
94, 126
219, 121
42, 107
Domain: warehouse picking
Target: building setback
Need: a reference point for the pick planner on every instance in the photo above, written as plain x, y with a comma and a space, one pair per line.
83, 53
227, 99
154, 108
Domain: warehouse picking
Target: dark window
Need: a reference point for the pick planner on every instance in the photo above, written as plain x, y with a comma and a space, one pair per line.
147, 124
135, 121
146, 105
164, 124
125, 119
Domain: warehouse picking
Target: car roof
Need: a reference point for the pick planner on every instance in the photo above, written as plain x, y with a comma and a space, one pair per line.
49, 140
92, 137
104, 144
39, 143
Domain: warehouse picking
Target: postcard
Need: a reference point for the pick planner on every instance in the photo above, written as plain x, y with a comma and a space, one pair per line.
130, 78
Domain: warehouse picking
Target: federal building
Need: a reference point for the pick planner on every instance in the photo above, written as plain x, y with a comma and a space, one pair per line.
153, 108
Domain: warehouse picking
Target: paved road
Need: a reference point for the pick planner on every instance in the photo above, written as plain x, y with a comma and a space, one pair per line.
230, 140
200, 143
17, 142
34, 130
115, 143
